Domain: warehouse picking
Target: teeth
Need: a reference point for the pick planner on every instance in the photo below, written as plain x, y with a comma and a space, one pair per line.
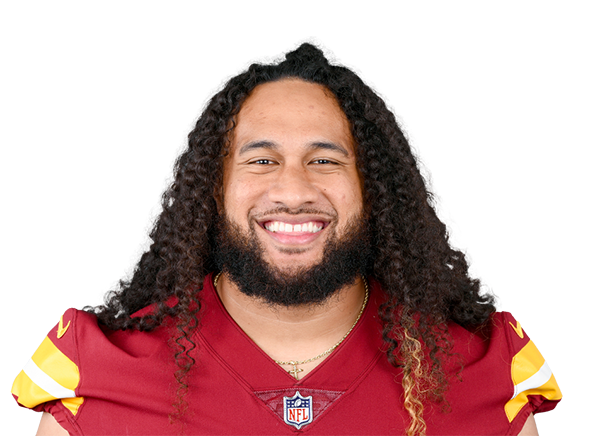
278, 226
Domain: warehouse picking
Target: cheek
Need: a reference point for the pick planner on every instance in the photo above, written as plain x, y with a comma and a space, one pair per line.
348, 197
354, 187
231, 199
355, 201
239, 197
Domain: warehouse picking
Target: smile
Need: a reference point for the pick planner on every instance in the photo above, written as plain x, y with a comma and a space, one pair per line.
297, 228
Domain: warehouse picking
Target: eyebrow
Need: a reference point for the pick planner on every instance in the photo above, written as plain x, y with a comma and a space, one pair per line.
256, 145
318, 145
329, 146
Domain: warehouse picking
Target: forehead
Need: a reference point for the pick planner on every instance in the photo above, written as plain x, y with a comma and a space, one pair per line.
290, 109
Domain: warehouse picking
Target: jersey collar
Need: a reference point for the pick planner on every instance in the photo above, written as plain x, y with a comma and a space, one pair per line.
228, 343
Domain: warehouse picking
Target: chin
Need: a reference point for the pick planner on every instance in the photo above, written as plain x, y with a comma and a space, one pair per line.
293, 271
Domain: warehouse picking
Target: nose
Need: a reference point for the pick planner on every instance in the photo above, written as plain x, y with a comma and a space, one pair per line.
293, 187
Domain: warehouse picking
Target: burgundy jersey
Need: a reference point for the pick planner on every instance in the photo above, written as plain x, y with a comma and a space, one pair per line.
98, 381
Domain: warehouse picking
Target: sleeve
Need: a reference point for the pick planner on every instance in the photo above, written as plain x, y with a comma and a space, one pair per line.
50, 379
535, 388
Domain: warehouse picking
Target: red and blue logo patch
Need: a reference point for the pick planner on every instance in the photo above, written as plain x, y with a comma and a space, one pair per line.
298, 410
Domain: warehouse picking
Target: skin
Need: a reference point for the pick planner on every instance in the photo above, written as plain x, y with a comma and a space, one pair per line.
49, 427
292, 148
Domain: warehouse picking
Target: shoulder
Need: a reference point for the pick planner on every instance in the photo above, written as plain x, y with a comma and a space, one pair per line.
78, 353
500, 354
503, 339
52, 372
500, 333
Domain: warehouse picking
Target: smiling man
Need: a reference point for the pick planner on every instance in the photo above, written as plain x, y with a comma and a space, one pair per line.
298, 281
294, 231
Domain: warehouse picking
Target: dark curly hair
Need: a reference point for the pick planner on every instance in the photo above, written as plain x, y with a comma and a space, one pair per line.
425, 279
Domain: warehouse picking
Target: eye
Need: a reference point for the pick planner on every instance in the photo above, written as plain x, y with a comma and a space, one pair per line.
262, 162
324, 162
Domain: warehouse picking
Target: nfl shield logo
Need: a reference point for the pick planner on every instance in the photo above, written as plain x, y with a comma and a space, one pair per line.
297, 410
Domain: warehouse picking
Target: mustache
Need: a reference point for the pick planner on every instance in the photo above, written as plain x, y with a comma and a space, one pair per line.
299, 211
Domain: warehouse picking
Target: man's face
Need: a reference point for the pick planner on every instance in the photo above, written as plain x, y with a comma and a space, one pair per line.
290, 179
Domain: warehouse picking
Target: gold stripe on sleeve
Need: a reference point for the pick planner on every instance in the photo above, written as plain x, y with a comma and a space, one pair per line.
49, 375
58, 366
28, 393
531, 375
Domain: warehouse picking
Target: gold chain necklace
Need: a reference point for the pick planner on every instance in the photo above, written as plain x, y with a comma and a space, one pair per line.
294, 363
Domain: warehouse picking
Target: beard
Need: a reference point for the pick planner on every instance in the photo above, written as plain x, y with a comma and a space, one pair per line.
241, 257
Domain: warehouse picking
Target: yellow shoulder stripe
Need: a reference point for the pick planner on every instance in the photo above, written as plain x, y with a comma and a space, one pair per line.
531, 375
55, 364
49, 375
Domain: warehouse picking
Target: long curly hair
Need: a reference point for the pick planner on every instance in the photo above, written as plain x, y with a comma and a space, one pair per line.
425, 279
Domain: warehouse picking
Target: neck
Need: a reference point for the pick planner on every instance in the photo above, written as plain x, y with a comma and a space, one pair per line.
294, 333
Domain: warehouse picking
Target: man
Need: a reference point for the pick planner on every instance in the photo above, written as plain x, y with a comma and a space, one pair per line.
298, 280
